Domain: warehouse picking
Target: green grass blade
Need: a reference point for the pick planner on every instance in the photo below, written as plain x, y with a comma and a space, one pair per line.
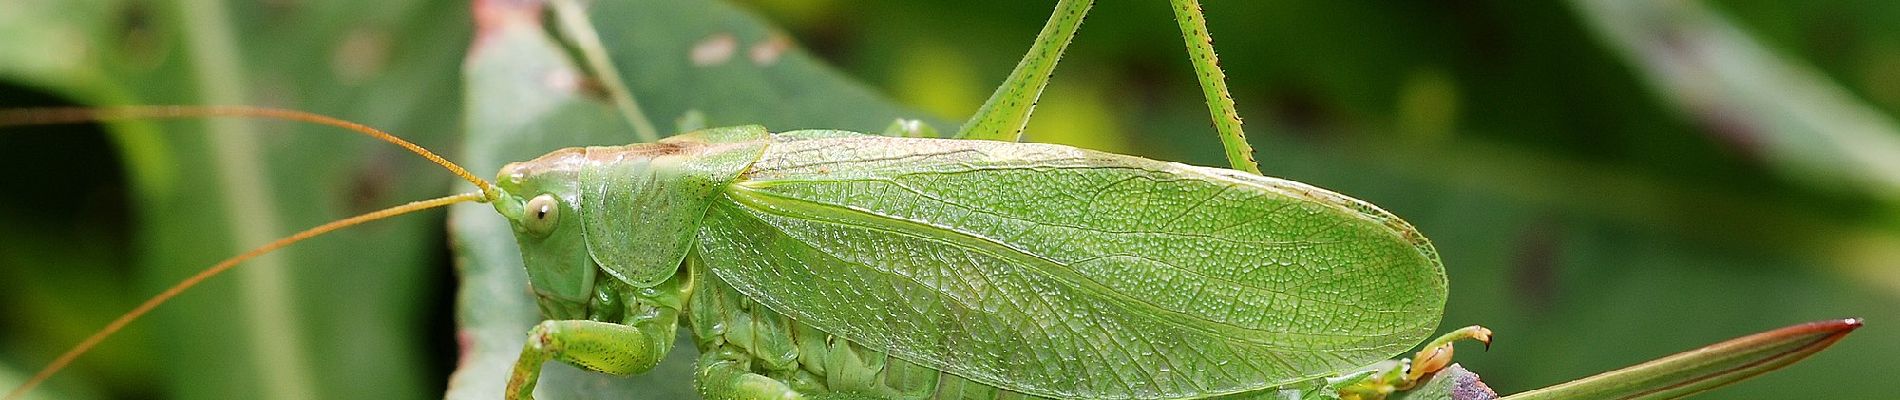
1807, 126
1200, 48
1007, 111
1699, 370
283, 367
580, 32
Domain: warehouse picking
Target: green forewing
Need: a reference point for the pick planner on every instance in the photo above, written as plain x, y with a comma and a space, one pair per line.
1071, 273
642, 201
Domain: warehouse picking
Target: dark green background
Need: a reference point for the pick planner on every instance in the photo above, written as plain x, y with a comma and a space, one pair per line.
1587, 214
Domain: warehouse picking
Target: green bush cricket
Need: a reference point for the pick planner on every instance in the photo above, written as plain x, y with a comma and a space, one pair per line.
748, 213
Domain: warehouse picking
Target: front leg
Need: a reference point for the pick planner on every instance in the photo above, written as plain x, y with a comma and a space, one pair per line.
593, 345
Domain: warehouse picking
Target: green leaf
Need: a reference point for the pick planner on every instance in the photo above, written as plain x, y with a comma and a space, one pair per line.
1709, 68
11, 378
1699, 370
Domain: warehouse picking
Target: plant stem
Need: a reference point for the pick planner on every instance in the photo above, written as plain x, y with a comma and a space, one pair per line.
1200, 48
1007, 111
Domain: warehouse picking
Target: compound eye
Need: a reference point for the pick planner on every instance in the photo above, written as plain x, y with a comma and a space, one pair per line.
543, 212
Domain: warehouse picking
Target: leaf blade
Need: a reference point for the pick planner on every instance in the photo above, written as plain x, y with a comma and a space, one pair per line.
1706, 368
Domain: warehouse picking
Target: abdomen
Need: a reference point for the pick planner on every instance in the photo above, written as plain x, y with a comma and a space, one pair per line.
811, 360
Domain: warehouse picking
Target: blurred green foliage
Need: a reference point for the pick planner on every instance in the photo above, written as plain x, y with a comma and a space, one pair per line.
1607, 183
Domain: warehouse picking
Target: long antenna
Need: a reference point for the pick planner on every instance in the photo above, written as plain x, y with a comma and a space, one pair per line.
44, 116
67, 115
220, 267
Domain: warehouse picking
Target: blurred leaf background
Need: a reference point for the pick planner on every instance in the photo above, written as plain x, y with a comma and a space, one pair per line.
1608, 181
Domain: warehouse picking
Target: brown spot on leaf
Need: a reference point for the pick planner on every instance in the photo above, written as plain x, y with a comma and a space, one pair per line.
493, 15
714, 50
141, 42
1533, 272
1733, 130
564, 79
370, 185
465, 344
594, 89
766, 53
362, 54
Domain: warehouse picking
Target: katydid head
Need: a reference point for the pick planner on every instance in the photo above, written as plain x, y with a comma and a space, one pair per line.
541, 199
630, 212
